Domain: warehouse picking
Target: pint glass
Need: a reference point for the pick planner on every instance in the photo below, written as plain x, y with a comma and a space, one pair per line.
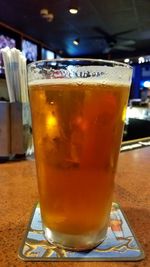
78, 111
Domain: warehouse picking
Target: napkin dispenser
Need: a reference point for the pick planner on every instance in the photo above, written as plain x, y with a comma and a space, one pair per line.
11, 129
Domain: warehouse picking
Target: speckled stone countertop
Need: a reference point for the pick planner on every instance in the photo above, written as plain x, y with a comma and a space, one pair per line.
18, 194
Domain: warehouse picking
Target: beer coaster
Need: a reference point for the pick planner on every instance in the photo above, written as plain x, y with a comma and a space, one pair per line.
120, 243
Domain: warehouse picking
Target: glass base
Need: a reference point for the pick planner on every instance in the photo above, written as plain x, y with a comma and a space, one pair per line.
75, 242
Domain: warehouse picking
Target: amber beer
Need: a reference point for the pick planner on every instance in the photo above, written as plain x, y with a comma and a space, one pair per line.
77, 127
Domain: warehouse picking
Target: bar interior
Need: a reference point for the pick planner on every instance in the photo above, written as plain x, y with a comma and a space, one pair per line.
44, 30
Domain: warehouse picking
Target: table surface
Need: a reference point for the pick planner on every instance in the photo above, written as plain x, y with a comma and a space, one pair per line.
18, 194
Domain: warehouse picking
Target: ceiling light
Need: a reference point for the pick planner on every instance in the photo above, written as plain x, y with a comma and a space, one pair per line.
76, 42
46, 15
126, 60
73, 11
50, 17
44, 12
73, 7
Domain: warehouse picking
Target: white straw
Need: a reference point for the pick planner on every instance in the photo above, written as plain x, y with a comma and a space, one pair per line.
16, 78
9, 79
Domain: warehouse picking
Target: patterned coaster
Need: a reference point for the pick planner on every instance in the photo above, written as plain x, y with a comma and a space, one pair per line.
120, 243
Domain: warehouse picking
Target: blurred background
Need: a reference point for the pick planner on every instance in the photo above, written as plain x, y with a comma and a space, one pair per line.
117, 30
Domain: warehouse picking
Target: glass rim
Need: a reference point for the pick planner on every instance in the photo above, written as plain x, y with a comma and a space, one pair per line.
107, 61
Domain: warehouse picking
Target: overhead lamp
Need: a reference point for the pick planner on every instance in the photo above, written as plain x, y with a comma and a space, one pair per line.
73, 9
76, 41
126, 60
49, 17
46, 15
44, 12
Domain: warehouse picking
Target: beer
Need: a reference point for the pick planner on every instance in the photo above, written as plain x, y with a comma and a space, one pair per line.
77, 128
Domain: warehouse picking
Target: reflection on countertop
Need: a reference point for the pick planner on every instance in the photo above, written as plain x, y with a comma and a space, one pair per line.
137, 124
